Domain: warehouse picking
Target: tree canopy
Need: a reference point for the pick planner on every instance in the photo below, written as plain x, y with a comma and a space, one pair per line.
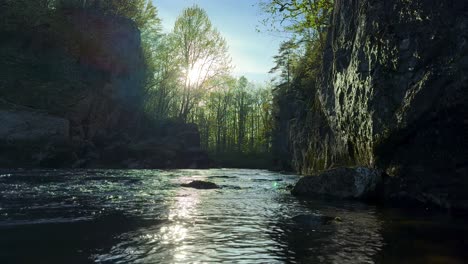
302, 17
202, 53
191, 80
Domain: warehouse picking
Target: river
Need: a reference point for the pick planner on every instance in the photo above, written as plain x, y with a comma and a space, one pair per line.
145, 216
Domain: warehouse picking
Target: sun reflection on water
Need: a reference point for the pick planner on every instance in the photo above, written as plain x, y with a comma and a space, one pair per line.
184, 206
181, 217
254, 223
173, 234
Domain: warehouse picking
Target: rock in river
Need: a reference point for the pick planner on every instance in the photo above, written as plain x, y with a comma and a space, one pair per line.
313, 220
355, 183
200, 185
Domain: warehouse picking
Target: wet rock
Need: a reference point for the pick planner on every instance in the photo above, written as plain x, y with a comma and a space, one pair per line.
200, 185
354, 183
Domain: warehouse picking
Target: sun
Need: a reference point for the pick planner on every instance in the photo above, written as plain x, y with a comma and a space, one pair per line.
196, 74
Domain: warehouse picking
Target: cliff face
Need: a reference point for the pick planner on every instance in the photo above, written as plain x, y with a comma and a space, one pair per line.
80, 65
393, 93
71, 94
109, 47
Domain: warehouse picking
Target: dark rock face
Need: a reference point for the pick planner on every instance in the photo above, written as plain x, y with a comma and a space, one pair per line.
110, 46
71, 95
25, 125
200, 185
393, 95
344, 183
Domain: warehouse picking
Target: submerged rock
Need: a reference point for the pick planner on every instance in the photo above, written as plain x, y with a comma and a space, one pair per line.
314, 219
355, 183
200, 185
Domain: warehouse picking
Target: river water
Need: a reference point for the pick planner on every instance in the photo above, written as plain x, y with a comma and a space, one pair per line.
145, 216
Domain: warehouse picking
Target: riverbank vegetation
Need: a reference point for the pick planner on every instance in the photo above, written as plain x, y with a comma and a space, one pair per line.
299, 61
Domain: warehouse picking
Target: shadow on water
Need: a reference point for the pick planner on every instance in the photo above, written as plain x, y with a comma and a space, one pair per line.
329, 232
369, 234
421, 236
67, 242
70, 216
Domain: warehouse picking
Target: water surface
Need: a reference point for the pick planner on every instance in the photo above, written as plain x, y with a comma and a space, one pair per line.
144, 216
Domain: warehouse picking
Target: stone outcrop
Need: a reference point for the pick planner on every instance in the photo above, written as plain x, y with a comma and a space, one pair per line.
344, 183
393, 96
24, 125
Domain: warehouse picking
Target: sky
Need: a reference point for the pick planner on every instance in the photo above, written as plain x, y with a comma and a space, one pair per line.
252, 52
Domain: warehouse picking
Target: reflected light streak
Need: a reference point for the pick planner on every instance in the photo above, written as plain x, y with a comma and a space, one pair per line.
180, 216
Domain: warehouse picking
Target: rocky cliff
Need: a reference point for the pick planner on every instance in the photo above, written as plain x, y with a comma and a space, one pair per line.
393, 96
71, 95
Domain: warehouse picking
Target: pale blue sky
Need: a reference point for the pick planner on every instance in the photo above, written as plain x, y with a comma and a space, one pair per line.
252, 52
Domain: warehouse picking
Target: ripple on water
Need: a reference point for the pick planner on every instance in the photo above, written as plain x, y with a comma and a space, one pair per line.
144, 216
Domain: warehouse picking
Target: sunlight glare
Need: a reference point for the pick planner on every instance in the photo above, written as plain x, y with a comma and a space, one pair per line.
197, 74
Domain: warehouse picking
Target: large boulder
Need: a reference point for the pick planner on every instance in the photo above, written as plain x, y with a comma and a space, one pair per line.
345, 183
32, 126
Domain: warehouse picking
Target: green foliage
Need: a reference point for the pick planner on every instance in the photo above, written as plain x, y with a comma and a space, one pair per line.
162, 86
27, 13
23, 14
286, 61
236, 118
305, 18
141, 11
299, 62
190, 80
